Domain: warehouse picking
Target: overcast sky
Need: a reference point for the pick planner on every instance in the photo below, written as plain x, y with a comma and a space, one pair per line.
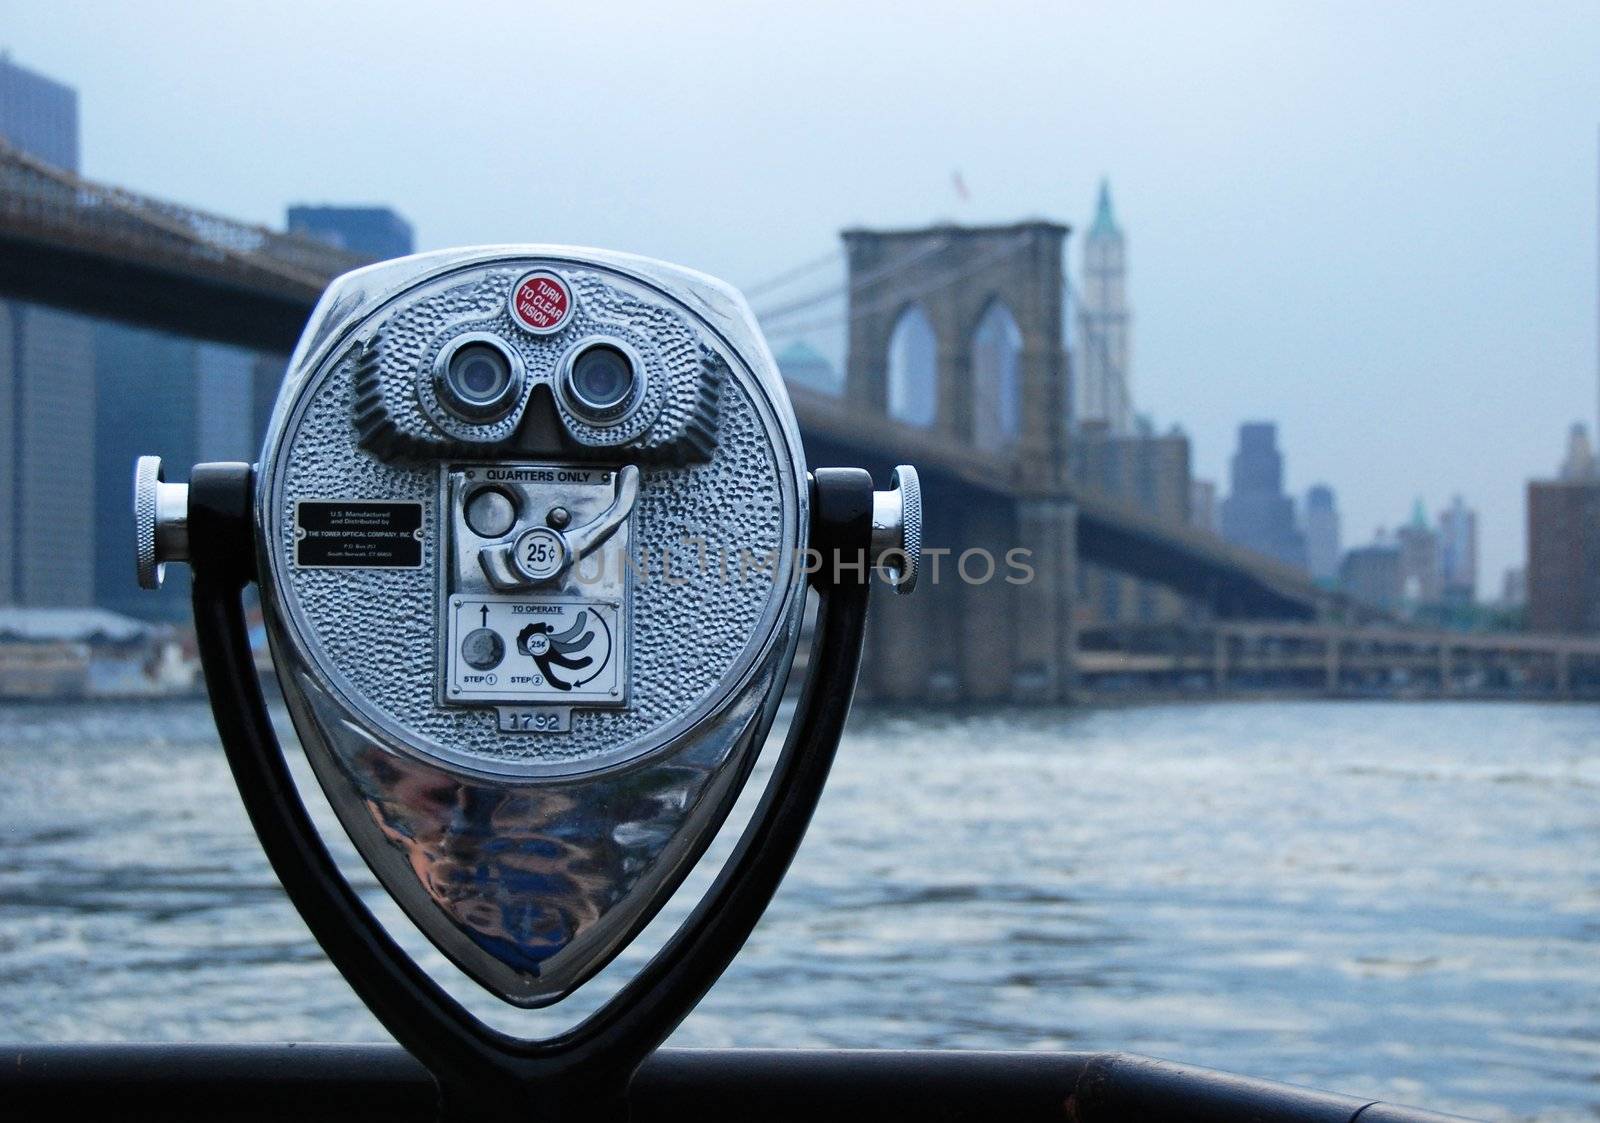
1374, 224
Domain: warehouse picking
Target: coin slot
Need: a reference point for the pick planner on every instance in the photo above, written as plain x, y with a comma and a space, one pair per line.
491, 512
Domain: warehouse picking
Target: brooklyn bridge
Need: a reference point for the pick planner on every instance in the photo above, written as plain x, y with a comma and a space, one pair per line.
995, 479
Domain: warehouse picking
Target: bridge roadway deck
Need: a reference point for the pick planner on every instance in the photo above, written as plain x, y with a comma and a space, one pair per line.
1277, 657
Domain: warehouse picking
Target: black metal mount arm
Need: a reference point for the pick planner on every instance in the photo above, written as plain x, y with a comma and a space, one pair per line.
481, 1072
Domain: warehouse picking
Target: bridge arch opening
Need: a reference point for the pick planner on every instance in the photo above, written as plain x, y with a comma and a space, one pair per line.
914, 368
996, 378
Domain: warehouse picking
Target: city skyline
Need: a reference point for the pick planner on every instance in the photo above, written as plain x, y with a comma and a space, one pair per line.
1379, 283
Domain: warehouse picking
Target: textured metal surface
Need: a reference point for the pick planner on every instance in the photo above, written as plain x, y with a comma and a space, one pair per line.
146, 475
909, 484
375, 629
593, 588
530, 856
401, 414
160, 522
897, 528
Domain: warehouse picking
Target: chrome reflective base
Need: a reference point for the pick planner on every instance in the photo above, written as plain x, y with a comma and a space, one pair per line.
481, 1072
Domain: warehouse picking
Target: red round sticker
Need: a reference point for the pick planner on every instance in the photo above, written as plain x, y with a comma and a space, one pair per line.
541, 302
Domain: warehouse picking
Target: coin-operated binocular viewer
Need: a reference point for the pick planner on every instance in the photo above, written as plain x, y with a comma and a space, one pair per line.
533, 531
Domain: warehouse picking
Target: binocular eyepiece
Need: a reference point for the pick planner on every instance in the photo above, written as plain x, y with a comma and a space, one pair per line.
533, 528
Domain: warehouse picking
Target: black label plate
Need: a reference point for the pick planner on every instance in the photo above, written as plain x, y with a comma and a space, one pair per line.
357, 533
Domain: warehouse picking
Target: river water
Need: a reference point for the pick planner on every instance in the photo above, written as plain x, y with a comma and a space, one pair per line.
1388, 899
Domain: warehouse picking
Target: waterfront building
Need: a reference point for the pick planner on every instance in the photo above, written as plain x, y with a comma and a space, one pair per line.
184, 400
1419, 558
47, 531
1564, 556
38, 115
1514, 587
1371, 575
1257, 514
81, 398
1458, 553
1203, 505
1152, 474
266, 379
145, 402
223, 394
47, 421
376, 232
1104, 391
1322, 534
49, 654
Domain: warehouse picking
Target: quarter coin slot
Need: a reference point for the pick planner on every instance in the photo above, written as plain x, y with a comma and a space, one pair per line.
491, 513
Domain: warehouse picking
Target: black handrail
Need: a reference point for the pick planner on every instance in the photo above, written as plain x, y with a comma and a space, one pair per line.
228, 1083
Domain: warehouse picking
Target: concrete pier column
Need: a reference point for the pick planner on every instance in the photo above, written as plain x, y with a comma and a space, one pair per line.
1043, 601
988, 629
907, 645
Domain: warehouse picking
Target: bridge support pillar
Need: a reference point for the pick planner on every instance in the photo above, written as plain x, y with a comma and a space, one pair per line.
1043, 628
910, 650
988, 627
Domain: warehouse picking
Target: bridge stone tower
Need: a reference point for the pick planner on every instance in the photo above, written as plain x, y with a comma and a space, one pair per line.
956, 354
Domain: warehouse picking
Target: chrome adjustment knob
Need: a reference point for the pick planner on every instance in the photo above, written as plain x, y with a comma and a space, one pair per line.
160, 522
897, 528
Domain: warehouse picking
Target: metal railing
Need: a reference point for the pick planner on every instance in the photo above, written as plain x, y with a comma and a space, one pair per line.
381, 1082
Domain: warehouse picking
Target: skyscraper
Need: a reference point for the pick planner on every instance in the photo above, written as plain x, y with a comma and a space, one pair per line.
47, 528
146, 403
1563, 576
38, 115
47, 484
1579, 462
1371, 575
1257, 514
186, 400
376, 232
80, 398
1147, 472
1564, 556
1458, 552
1203, 505
1104, 392
1322, 534
1419, 558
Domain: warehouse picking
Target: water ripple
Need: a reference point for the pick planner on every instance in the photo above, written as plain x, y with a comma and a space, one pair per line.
1392, 900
